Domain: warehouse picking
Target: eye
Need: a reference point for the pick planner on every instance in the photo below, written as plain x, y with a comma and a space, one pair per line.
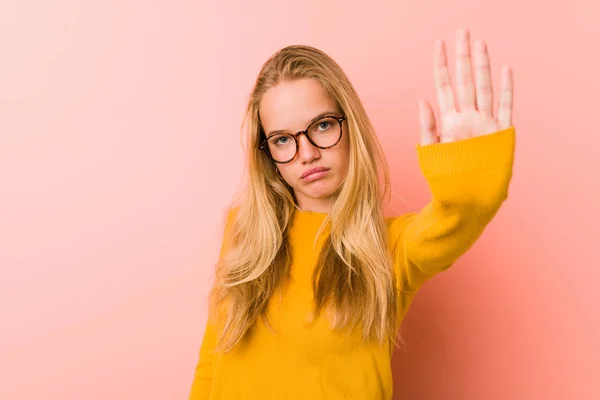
282, 140
324, 125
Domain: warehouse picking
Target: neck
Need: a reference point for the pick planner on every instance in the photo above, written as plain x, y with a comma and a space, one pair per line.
321, 206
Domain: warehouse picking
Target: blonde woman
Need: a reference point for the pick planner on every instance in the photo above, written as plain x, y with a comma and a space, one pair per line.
313, 281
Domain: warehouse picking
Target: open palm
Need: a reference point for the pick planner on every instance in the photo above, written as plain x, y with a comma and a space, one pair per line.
474, 115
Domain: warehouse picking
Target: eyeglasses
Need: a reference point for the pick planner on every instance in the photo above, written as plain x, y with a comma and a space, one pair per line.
323, 133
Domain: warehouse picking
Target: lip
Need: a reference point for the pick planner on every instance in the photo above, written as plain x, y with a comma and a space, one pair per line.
314, 173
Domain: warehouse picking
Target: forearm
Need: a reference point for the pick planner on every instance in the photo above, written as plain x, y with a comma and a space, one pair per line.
469, 181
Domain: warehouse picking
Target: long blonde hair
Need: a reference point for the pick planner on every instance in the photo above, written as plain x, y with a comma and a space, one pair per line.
353, 280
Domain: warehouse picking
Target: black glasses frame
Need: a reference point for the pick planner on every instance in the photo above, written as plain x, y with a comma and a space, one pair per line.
264, 147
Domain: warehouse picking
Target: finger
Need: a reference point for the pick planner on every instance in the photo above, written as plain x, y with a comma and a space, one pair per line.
505, 106
465, 90
427, 124
445, 97
483, 79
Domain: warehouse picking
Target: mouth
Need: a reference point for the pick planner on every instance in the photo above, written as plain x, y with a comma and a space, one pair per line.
314, 173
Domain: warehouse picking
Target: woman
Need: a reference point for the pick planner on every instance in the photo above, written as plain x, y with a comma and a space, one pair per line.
313, 281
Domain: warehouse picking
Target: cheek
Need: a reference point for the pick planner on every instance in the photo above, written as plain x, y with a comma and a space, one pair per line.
342, 156
288, 171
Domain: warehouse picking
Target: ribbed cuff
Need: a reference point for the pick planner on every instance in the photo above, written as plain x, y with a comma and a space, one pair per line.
485, 152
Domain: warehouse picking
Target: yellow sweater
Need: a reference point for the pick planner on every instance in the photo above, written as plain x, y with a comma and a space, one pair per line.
469, 180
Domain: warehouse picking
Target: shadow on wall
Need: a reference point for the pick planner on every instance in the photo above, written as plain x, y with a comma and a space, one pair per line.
462, 341
422, 359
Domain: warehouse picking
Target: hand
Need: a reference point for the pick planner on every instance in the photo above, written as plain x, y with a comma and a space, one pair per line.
474, 115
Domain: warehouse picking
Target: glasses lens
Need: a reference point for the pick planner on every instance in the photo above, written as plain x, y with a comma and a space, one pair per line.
325, 132
282, 147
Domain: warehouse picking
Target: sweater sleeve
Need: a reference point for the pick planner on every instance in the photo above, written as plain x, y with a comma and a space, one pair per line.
203, 374
469, 181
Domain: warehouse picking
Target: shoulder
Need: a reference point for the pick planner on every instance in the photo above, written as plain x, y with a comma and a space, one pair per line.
231, 213
395, 226
228, 223
394, 222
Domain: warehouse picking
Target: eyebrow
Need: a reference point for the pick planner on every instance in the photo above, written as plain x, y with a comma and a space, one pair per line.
321, 115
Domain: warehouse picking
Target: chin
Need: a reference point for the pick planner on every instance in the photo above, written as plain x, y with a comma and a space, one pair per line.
319, 190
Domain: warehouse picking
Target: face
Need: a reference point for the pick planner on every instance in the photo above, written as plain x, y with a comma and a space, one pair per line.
291, 107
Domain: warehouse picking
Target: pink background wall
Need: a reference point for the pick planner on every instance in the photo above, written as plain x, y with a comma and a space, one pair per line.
119, 149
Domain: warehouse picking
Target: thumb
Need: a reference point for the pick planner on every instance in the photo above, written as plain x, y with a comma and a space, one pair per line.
427, 124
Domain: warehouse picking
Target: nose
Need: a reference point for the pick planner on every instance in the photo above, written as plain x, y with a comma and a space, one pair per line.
306, 151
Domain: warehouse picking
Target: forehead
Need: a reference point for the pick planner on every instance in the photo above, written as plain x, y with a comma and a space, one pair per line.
291, 105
